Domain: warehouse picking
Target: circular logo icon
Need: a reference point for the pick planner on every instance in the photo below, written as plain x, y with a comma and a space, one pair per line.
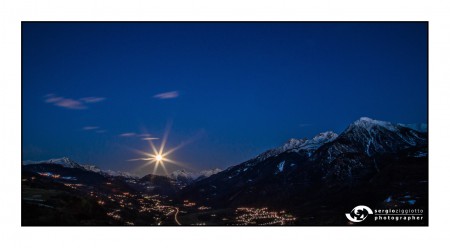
359, 213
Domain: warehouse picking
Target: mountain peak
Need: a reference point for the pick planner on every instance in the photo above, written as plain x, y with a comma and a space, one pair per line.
292, 143
371, 137
181, 173
299, 144
368, 123
64, 161
325, 137
186, 175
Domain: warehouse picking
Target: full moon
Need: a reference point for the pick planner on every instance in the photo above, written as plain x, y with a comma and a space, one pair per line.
158, 157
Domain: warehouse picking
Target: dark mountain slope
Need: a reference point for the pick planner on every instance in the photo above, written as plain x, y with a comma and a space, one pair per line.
370, 161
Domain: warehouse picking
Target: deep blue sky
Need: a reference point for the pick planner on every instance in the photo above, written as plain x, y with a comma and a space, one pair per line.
241, 88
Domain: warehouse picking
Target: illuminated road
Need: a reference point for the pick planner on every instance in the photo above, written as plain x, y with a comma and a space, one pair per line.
176, 216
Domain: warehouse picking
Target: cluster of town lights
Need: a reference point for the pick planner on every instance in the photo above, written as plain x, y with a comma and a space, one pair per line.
262, 216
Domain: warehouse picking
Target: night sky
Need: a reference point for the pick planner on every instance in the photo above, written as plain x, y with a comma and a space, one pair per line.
229, 91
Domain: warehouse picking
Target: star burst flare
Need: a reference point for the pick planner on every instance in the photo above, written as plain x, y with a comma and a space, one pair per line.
158, 157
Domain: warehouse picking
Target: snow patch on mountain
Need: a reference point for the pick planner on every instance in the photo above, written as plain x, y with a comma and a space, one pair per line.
368, 124
280, 166
420, 154
189, 176
299, 144
182, 175
317, 141
290, 144
208, 173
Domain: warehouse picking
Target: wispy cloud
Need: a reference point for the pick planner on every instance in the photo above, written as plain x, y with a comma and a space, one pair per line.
64, 102
127, 134
70, 103
167, 95
146, 136
90, 128
94, 129
92, 99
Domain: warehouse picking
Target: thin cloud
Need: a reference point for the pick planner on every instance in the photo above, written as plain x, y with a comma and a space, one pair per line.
167, 95
70, 103
51, 98
150, 138
87, 128
127, 134
65, 102
92, 99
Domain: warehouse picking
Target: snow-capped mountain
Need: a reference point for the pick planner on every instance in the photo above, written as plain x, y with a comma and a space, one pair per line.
189, 177
208, 173
182, 176
68, 163
307, 146
304, 168
290, 144
372, 137
120, 174
64, 161
316, 142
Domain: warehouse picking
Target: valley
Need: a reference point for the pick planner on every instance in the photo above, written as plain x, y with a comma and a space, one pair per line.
303, 182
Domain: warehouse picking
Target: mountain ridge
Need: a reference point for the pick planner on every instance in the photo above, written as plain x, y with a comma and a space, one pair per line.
361, 152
